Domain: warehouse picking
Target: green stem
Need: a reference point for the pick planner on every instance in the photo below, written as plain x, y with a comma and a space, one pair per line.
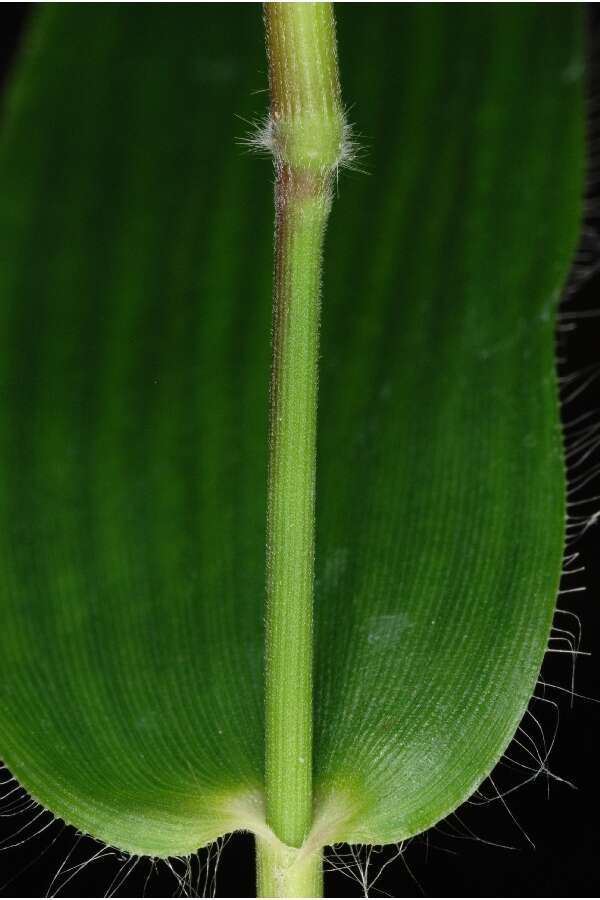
307, 131
287, 872
300, 227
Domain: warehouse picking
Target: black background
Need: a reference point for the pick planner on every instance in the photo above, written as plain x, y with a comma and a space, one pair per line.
459, 858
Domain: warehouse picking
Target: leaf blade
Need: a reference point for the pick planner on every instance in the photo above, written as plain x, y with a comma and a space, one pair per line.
135, 374
458, 445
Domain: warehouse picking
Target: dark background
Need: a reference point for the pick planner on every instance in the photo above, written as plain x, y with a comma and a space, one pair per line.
550, 825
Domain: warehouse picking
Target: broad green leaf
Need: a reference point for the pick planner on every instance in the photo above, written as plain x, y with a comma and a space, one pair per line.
135, 286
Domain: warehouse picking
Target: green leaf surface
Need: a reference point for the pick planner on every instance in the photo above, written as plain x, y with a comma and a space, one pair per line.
135, 293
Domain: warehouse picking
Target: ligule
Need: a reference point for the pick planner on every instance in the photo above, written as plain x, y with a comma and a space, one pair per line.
307, 122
